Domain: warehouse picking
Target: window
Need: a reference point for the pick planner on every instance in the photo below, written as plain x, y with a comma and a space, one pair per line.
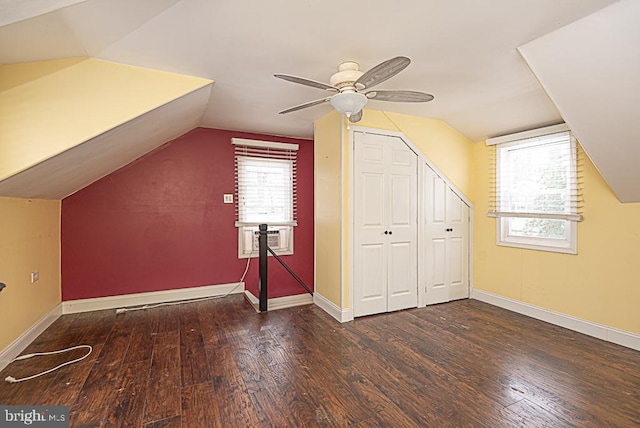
265, 193
536, 194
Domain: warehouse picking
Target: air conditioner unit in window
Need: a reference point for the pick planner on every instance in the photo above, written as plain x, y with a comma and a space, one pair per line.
273, 240
279, 238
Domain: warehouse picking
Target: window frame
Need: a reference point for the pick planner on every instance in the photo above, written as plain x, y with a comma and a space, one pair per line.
247, 229
566, 245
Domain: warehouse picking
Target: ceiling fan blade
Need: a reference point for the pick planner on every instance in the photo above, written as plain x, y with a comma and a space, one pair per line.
382, 72
305, 105
355, 117
306, 82
400, 96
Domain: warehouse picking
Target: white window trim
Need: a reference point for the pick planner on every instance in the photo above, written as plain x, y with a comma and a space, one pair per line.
267, 144
554, 129
569, 245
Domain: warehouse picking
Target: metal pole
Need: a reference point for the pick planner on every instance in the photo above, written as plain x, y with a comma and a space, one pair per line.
262, 253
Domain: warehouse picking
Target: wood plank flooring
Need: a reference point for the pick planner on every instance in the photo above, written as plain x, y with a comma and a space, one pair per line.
218, 363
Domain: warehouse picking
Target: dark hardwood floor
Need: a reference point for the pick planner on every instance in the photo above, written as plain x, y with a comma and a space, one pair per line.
218, 363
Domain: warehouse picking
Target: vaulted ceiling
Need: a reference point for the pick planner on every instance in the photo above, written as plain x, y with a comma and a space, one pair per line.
464, 52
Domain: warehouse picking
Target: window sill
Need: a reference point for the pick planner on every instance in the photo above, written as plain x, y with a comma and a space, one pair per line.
562, 250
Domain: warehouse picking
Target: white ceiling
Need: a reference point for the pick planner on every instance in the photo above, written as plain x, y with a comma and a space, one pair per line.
463, 51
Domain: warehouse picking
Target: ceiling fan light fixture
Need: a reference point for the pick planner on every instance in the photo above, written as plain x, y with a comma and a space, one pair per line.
348, 103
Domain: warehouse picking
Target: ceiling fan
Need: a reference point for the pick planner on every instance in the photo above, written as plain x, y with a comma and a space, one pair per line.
349, 83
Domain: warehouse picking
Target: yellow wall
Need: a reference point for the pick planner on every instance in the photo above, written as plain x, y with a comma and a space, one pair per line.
48, 107
599, 284
29, 241
447, 149
328, 207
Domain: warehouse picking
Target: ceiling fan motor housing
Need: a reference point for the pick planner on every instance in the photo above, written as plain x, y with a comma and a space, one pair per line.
347, 74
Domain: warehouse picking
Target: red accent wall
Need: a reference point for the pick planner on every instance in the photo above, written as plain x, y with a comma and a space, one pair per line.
160, 223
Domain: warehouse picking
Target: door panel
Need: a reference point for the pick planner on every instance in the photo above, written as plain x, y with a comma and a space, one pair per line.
438, 260
371, 200
402, 277
454, 207
371, 153
437, 291
437, 212
373, 293
401, 155
455, 257
402, 201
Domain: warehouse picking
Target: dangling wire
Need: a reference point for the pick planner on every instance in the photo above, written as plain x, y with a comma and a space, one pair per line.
12, 379
200, 299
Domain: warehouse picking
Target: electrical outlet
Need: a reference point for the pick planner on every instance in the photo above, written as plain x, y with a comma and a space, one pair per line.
228, 198
35, 275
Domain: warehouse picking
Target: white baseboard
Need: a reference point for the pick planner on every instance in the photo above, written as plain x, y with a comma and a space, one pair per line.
17, 346
610, 334
137, 299
279, 302
340, 315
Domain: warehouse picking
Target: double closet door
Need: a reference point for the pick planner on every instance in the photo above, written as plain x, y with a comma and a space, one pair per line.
385, 221
408, 246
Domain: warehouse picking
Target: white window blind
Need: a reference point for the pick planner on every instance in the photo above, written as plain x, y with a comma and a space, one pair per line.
265, 182
537, 177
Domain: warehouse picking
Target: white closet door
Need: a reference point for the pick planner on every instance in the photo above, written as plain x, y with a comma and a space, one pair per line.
458, 246
370, 255
402, 225
385, 234
447, 241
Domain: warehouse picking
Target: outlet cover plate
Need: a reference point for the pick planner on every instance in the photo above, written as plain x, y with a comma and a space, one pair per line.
35, 276
228, 198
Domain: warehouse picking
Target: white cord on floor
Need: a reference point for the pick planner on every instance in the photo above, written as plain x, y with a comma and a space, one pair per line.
12, 379
181, 302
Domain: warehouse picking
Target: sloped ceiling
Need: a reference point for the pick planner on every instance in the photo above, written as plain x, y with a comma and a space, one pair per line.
463, 51
69, 171
591, 70
51, 108
17, 10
